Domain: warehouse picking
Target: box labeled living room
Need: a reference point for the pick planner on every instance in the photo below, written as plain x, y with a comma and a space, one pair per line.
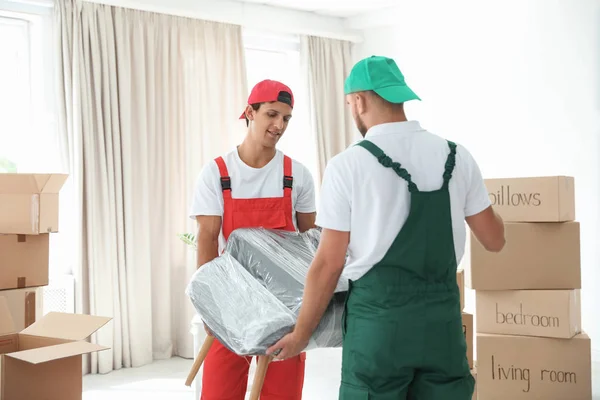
525, 367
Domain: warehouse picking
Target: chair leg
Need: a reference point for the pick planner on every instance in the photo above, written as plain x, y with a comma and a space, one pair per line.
199, 360
259, 376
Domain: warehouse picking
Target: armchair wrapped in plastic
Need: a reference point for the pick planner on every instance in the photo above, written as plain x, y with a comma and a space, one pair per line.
250, 296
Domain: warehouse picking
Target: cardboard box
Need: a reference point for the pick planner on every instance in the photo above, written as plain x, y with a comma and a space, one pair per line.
44, 360
460, 280
536, 256
525, 367
24, 261
538, 199
474, 373
542, 313
29, 203
25, 306
467, 321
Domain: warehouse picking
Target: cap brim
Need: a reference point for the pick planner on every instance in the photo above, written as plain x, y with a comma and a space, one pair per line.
397, 94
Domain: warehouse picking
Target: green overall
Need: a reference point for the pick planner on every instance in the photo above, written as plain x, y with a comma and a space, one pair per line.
403, 336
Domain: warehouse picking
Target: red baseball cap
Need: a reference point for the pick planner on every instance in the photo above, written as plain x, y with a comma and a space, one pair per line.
268, 91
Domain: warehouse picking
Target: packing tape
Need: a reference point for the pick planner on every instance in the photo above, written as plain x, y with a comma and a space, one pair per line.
29, 308
21, 282
35, 213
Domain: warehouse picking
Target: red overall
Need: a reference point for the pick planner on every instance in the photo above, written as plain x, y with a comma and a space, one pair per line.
225, 374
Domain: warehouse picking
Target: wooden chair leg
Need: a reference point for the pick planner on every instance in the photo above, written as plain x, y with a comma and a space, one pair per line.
199, 360
259, 376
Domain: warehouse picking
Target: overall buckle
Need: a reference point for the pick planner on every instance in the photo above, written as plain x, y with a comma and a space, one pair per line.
288, 182
226, 183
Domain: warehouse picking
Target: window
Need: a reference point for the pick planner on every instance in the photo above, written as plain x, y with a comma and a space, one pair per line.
28, 134
15, 95
278, 58
27, 129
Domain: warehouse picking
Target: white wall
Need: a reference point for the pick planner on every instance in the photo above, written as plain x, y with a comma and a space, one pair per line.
518, 83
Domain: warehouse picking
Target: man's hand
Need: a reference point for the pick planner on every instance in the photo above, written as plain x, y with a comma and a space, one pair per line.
289, 346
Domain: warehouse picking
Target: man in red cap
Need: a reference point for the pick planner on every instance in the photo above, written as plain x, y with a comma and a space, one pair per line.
255, 185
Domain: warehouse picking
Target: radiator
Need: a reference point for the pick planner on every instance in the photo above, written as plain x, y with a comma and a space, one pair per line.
59, 295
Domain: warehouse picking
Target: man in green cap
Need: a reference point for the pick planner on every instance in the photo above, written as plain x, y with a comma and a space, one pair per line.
397, 202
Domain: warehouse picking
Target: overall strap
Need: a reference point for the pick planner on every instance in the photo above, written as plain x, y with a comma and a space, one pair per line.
450, 163
225, 179
388, 163
288, 179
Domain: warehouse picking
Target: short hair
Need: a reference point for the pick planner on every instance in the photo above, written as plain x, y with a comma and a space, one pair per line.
255, 107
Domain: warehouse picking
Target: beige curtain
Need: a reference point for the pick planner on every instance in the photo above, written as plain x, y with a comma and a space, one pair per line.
327, 63
146, 99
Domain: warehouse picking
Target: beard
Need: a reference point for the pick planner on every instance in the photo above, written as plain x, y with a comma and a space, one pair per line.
360, 125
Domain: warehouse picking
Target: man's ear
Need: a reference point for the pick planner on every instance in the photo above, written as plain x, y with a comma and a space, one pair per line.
361, 103
249, 112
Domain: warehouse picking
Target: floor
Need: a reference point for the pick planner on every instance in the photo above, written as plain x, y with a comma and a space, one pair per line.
165, 380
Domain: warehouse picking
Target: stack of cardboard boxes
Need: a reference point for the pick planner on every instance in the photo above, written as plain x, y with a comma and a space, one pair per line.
467, 322
530, 344
40, 355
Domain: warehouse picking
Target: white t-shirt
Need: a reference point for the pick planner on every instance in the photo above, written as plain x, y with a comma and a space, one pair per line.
251, 183
361, 196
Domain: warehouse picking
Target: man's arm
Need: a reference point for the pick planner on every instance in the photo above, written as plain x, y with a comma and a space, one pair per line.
328, 264
306, 221
207, 209
488, 228
322, 279
209, 228
485, 223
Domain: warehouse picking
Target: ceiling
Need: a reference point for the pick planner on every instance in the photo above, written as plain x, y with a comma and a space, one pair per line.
333, 8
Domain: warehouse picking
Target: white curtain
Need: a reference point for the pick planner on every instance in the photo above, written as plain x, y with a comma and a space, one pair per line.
327, 63
146, 99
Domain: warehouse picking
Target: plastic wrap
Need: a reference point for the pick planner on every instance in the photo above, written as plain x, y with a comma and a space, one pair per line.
240, 312
279, 260
329, 331
250, 296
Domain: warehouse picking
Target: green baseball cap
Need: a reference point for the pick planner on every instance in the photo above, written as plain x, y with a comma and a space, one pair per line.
381, 75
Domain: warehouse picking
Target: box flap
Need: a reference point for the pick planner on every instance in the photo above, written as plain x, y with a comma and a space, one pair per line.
7, 324
50, 353
54, 183
16, 183
66, 326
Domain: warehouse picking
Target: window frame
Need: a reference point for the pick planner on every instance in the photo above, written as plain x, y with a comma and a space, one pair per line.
269, 41
37, 18
290, 46
42, 112
24, 67
27, 7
